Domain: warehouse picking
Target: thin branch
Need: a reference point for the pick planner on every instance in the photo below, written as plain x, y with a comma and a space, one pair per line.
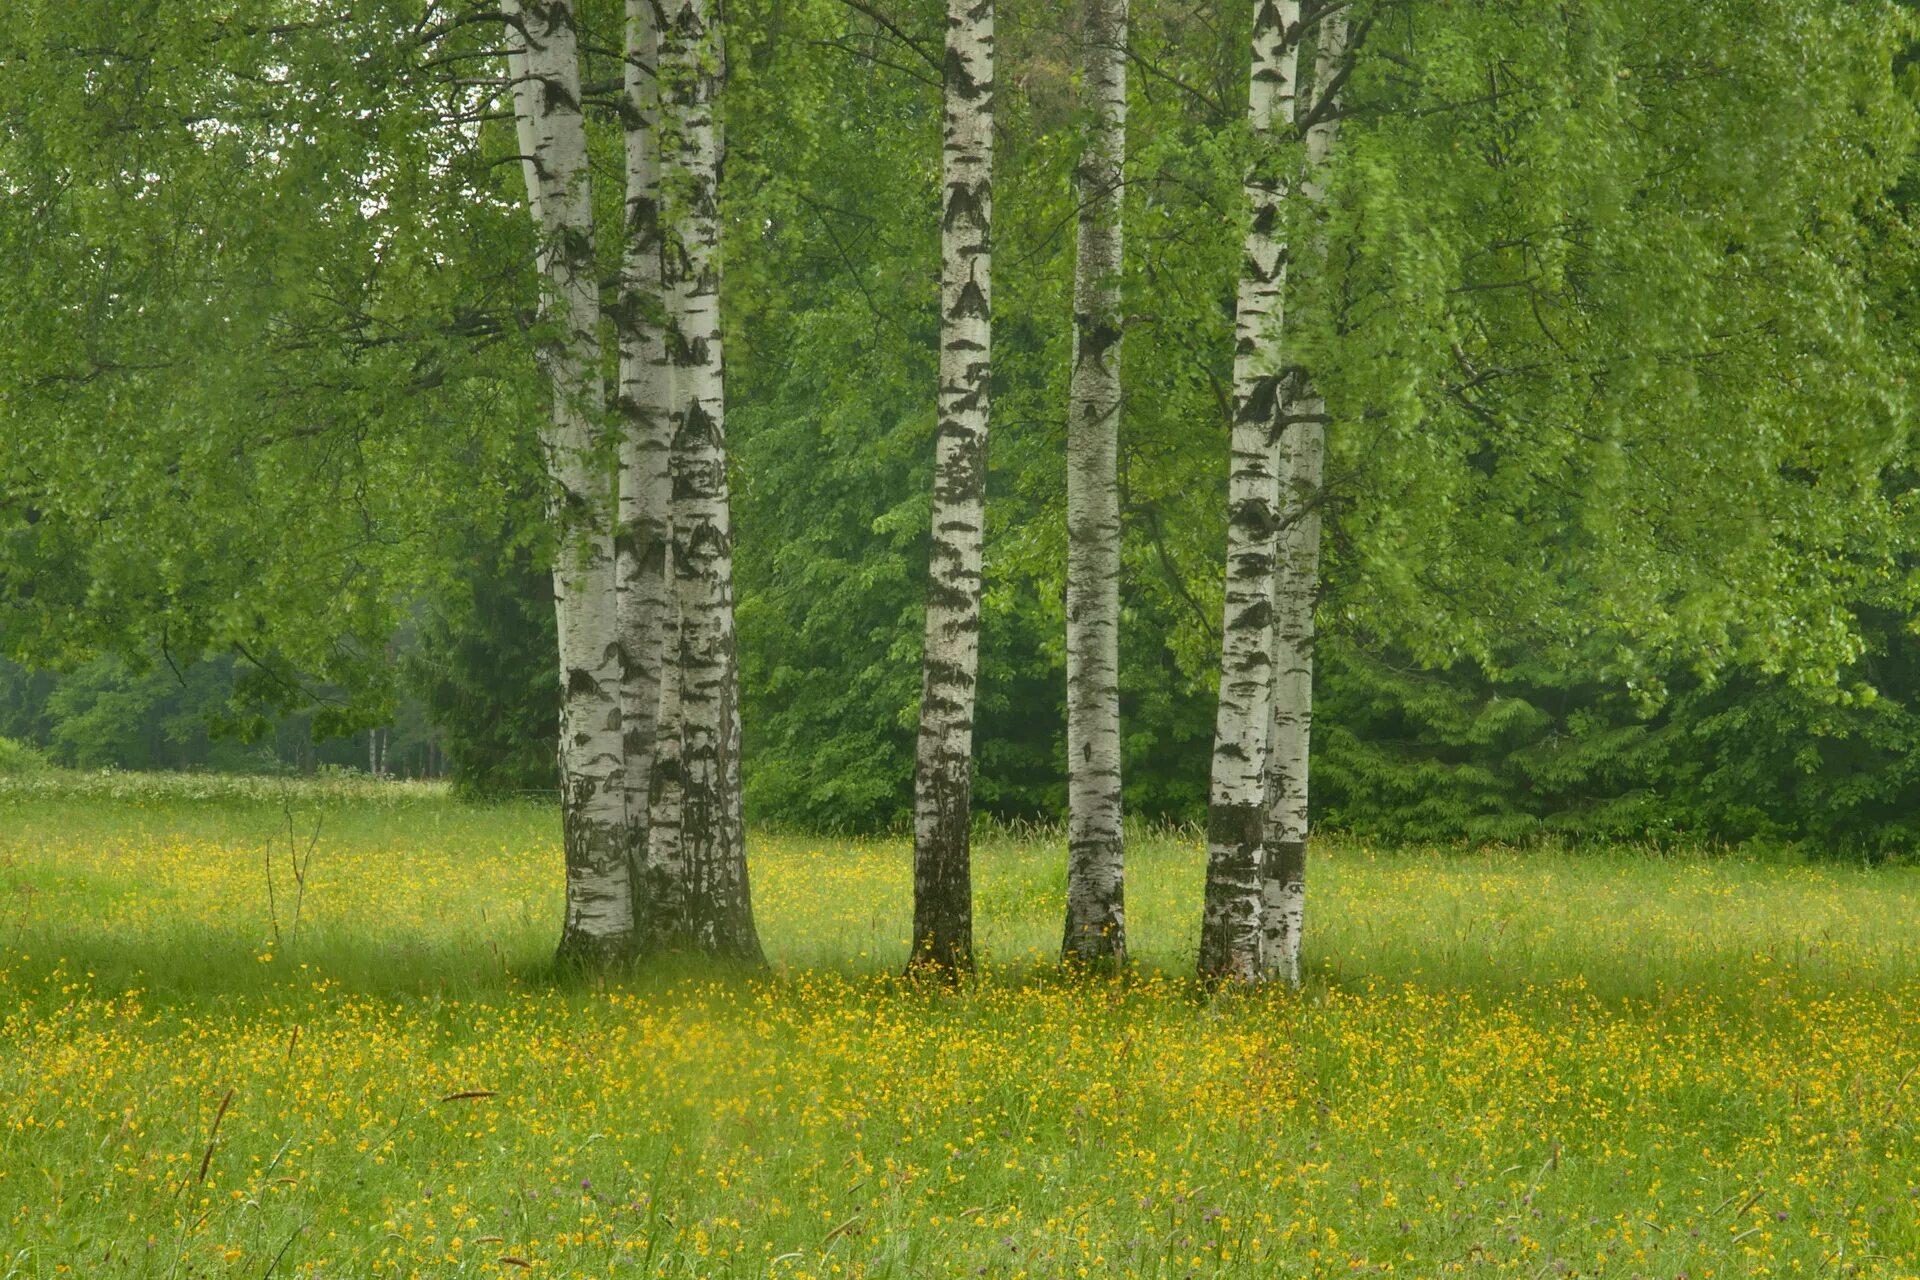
1150, 519
853, 272
912, 73
1213, 104
932, 59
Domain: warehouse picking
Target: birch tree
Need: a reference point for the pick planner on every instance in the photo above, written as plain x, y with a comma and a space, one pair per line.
943, 774
1230, 922
701, 665
1096, 867
543, 64
1296, 579
646, 439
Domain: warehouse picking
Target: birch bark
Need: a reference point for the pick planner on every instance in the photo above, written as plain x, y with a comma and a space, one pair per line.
1230, 920
943, 774
1096, 860
1296, 583
718, 907
1295, 592
543, 63
667, 886
643, 412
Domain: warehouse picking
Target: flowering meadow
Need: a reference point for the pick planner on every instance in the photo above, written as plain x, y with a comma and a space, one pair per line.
1504, 1063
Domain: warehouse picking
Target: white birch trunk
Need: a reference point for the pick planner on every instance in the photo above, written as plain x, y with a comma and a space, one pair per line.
643, 410
718, 915
1295, 592
943, 774
1236, 809
1296, 583
544, 65
1096, 929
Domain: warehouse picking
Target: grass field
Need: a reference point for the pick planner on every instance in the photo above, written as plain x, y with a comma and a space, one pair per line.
1505, 1063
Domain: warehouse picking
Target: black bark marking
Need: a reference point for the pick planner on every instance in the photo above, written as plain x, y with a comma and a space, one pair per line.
970, 305
959, 81
968, 204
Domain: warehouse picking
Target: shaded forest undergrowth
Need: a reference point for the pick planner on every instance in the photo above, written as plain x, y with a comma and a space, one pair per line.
1605, 1063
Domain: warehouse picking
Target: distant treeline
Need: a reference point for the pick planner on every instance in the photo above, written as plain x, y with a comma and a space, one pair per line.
1565, 749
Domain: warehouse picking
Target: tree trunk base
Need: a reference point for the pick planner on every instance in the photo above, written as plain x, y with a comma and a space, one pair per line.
579, 953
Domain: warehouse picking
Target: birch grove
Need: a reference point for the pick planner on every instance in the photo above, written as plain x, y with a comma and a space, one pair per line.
319, 366
943, 773
655, 834
1096, 868
1296, 580
543, 64
701, 662
1236, 809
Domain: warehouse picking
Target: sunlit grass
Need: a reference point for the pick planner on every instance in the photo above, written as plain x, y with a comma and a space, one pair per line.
1601, 1064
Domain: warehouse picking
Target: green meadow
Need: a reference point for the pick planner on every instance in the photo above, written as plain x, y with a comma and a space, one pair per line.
1529, 1062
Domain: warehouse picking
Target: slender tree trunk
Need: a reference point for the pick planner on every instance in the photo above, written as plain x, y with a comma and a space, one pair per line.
719, 906
644, 412
1236, 809
1296, 583
943, 774
1295, 592
544, 63
1096, 865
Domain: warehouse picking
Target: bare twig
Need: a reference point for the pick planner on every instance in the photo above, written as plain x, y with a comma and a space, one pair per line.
213, 1136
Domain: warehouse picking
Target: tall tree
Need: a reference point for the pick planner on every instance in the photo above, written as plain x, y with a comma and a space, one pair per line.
644, 412
543, 62
1296, 575
943, 774
701, 664
1236, 812
1096, 927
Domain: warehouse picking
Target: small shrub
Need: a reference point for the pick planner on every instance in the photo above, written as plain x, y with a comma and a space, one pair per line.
17, 759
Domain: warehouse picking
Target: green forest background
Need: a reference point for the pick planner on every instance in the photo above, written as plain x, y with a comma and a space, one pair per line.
242, 536
1403, 752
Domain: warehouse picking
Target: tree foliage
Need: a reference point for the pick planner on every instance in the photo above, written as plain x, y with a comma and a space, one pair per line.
1615, 334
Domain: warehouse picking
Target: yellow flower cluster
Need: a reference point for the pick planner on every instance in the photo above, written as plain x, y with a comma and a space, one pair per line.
1550, 1066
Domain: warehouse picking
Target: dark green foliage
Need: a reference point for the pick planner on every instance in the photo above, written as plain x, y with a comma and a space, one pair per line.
23, 703
112, 714
1406, 754
487, 671
1401, 752
107, 714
